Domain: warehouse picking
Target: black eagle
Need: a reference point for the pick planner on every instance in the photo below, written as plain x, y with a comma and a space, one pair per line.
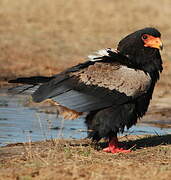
114, 87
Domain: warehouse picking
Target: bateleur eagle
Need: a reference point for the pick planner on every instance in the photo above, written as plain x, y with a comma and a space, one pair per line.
114, 87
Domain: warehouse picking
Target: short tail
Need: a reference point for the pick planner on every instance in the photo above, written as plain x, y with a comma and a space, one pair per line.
31, 80
29, 84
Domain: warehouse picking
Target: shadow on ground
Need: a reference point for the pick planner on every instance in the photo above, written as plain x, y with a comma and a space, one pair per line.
142, 142
150, 141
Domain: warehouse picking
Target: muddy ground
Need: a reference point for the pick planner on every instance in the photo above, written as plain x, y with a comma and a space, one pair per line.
44, 37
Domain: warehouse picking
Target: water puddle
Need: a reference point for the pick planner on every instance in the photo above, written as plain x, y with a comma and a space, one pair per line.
19, 123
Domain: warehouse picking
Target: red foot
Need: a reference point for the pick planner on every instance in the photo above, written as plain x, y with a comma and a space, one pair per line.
113, 147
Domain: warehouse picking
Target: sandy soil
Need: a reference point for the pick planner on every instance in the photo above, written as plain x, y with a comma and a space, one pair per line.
77, 159
43, 37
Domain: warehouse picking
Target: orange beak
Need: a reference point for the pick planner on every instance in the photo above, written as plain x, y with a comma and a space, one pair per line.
153, 42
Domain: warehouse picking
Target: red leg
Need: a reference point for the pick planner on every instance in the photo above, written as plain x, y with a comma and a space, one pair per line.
114, 148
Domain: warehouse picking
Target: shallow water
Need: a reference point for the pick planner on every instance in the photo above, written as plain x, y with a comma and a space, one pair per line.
19, 123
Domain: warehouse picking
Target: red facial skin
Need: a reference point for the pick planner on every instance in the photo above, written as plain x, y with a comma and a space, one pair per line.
151, 41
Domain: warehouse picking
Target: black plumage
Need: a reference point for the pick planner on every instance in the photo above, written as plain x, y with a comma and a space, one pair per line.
114, 87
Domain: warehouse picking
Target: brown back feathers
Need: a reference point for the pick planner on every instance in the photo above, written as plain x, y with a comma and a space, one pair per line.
115, 77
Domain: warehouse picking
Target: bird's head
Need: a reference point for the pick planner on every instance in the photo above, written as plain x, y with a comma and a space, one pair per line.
142, 47
141, 39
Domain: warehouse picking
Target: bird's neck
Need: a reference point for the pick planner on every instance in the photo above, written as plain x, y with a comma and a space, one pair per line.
148, 60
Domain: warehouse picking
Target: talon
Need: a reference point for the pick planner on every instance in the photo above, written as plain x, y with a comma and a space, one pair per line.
106, 149
113, 147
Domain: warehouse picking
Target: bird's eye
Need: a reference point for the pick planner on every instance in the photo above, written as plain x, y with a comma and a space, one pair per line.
144, 36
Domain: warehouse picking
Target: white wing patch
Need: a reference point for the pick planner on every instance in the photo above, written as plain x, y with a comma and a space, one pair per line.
99, 54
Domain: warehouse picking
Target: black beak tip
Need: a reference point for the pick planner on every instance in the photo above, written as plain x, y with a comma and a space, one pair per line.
161, 47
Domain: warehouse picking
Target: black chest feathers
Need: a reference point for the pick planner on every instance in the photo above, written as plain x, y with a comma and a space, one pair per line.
109, 121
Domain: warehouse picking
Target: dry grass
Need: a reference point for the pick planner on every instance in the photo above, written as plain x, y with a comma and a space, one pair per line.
43, 37
78, 160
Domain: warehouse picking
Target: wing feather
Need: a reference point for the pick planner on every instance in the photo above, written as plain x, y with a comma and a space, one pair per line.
115, 77
96, 86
